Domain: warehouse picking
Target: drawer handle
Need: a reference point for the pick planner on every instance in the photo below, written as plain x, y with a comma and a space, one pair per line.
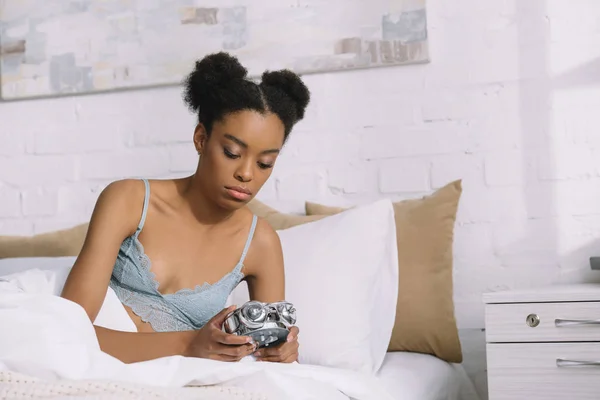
569, 322
576, 363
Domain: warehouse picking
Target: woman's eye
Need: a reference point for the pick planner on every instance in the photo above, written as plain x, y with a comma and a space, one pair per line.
230, 154
265, 166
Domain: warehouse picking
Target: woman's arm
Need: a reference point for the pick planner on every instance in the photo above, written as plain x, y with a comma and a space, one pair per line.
116, 216
266, 283
131, 347
265, 273
113, 219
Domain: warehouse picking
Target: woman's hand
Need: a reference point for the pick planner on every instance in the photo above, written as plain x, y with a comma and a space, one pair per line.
284, 353
211, 342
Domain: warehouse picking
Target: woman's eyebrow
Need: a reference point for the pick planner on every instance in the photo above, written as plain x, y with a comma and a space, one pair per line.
236, 140
244, 145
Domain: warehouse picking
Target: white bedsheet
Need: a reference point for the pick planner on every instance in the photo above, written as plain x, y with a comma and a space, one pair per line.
412, 376
47, 338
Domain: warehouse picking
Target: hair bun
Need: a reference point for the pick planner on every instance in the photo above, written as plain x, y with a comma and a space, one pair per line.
291, 84
210, 72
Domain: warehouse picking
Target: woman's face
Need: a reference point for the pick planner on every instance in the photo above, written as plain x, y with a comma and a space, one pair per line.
239, 156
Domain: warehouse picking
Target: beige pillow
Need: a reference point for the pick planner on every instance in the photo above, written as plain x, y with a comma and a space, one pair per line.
65, 242
68, 242
279, 220
425, 320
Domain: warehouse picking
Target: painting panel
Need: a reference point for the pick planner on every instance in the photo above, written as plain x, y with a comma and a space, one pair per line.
62, 47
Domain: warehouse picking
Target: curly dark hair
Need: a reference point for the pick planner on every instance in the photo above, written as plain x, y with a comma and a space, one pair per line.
219, 86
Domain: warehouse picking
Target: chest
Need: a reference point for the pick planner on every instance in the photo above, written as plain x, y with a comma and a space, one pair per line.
544, 343
181, 257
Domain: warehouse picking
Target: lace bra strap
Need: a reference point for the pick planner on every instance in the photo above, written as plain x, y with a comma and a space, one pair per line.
249, 240
145, 209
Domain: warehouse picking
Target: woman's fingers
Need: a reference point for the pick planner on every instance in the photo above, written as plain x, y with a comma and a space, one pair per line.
228, 338
291, 358
281, 358
279, 353
228, 347
293, 334
239, 351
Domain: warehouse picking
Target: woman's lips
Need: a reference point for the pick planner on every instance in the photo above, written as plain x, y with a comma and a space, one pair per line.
238, 192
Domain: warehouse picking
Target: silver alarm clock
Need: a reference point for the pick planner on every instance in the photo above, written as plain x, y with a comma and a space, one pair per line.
267, 323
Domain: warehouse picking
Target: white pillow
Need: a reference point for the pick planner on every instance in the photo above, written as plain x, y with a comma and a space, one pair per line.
342, 277
57, 269
48, 275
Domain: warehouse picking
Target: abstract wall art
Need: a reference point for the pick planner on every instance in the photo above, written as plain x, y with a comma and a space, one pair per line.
62, 47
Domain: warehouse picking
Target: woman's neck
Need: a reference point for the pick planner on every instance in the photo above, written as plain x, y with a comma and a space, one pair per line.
200, 205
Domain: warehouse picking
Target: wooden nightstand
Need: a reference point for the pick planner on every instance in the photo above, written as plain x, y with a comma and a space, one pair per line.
544, 344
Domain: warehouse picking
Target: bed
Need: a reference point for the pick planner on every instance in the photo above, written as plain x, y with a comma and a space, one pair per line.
402, 375
341, 271
413, 376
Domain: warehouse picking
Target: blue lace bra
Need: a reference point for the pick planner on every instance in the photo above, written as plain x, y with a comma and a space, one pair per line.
135, 284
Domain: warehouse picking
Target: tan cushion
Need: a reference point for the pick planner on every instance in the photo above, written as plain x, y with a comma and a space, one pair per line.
65, 242
425, 321
279, 220
68, 242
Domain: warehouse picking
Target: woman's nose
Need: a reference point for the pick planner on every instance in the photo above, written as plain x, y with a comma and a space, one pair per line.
244, 174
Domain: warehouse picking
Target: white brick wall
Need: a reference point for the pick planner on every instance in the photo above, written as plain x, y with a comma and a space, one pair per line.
509, 103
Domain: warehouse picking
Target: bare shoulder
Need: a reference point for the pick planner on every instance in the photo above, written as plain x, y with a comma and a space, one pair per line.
126, 191
124, 194
120, 201
265, 237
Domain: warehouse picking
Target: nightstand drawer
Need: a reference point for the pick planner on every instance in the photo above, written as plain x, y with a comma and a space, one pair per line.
534, 371
543, 322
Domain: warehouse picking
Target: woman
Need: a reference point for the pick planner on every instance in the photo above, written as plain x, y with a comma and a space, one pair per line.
173, 250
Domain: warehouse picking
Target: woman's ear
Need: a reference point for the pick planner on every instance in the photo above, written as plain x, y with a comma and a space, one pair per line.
200, 138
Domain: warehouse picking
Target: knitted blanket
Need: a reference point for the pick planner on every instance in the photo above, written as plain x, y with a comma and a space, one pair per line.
20, 387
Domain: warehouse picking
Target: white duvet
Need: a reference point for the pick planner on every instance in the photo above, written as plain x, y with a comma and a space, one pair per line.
48, 348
